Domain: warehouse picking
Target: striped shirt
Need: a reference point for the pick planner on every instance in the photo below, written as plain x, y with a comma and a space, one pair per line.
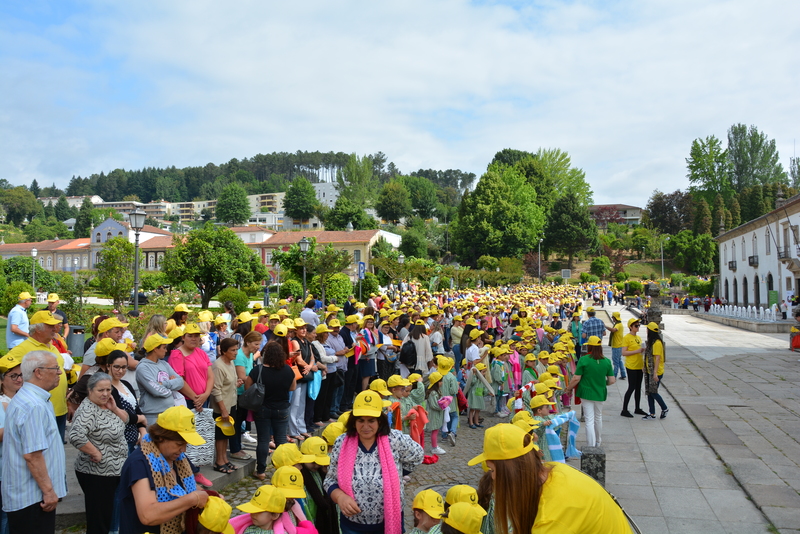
30, 427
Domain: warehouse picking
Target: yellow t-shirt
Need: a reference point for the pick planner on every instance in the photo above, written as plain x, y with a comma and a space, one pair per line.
170, 326
58, 396
634, 361
573, 503
658, 350
616, 337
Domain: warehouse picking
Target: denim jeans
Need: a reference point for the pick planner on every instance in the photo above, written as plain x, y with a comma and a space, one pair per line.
337, 398
652, 398
269, 422
616, 359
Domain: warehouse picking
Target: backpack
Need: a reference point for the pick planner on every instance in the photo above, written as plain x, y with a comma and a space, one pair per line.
408, 355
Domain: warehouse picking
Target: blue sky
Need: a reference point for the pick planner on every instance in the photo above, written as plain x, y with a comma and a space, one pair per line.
623, 86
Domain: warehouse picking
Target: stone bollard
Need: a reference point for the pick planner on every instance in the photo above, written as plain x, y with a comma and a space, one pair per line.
593, 463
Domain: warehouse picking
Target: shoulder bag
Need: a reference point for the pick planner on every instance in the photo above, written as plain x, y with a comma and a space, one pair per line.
253, 397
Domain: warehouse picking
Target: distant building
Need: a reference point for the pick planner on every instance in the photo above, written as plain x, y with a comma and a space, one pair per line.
74, 202
629, 215
326, 193
266, 203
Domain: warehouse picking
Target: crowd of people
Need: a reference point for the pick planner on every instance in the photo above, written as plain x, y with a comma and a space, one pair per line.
385, 383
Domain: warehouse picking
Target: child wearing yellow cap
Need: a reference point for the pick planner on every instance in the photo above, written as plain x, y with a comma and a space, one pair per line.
475, 391
463, 518
500, 371
428, 507
435, 411
265, 509
320, 509
416, 391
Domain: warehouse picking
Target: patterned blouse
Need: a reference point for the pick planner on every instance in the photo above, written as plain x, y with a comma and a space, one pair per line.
105, 431
367, 475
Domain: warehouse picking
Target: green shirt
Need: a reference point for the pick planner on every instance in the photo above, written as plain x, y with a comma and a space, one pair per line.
593, 375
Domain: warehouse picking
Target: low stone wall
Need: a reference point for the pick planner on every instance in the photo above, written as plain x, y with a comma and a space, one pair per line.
779, 327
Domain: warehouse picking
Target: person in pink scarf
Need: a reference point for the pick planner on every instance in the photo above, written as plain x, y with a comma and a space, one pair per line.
365, 477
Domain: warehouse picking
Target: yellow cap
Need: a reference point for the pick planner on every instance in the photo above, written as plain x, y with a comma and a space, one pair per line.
540, 400
633, 320
282, 312
541, 388
226, 425
552, 384
323, 329
429, 502
8, 362
527, 425
331, 432
594, 341
191, 328
344, 418
44, 316
24, 296
280, 330
52, 297
465, 518
290, 481
379, 385
461, 493
554, 370
335, 323
317, 448
181, 420
367, 404
433, 378
244, 317
299, 323
106, 345
257, 306
108, 324
215, 516
289, 324
266, 499
475, 334
502, 442
522, 415
176, 333
480, 366
397, 380
413, 377
289, 454
156, 340
205, 316
181, 308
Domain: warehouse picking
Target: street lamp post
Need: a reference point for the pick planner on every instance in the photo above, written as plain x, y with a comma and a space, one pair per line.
136, 219
540, 259
662, 256
75, 268
304, 250
34, 252
400, 261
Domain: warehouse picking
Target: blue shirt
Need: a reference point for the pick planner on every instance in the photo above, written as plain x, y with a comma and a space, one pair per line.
2, 425
18, 316
30, 426
593, 327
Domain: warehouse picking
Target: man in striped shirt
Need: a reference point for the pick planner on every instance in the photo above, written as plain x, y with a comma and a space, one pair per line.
34, 471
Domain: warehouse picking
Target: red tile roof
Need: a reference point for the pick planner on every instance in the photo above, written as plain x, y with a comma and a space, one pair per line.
157, 243
322, 236
242, 229
49, 245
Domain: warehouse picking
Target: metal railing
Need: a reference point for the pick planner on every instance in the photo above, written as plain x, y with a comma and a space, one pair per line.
732, 265
752, 261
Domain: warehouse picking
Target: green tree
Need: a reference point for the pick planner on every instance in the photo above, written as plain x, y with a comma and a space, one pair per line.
337, 287
357, 182
115, 269
510, 156
423, 195
702, 218
291, 261
600, 266
345, 211
717, 214
753, 158
413, 244
20, 268
49, 211
501, 217
37, 230
35, 189
488, 263
736, 213
300, 200
233, 208
570, 228
708, 169
794, 171
669, 213
62, 211
394, 202
19, 204
326, 263
83, 222
566, 179
212, 258
693, 253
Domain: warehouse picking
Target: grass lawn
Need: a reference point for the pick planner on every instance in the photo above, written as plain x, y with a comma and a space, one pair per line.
645, 269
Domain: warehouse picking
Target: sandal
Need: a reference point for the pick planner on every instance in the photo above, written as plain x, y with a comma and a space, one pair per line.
291, 439
241, 455
305, 435
260, 476
231, 466
272, 445
224, 469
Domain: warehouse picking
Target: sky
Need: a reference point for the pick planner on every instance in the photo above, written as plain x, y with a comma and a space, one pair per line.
623, 86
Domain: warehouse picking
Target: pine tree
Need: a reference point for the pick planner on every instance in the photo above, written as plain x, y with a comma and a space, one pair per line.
702, 218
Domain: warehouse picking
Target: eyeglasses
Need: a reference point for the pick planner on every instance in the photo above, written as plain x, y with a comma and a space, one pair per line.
14, 377
119, 367
50, 368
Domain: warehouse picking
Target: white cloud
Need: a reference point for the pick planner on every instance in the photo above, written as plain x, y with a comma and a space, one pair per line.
623, 87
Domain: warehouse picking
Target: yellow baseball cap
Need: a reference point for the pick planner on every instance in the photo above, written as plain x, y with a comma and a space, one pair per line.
480, 366
181, 308
244, 317
282, 312
540, 400
289, 454
594, 341
52, 297
226, 425
290, 481
191, 328
465, 518
299, 323
552, 384
335, 323
475, 334
368, 404
218, 320
107, 345
379, 385
205, 316
181, 420
527, 425
331, 432
215, 516
280, 330
318, 449
433, 378
397, 380
323, 329
351, 319
266, 499
521, 415
24, 296
413, 377
344, 418
461, 493
176, 332
8, 362
154, 341
289, 324
653, 327
257, 306
108, 324
503, 442
554, 370
429, 502
44, 316
633, 320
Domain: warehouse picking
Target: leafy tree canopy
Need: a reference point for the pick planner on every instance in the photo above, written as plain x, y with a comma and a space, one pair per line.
394, 202
346, 211
232, 206
357, 182
570, 228
300, 200
753, 158
115, 269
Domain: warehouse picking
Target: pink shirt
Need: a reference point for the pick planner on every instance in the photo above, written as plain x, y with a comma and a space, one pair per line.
192, 368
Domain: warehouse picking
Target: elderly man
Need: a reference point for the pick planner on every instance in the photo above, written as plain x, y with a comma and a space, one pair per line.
111, 327
52, 306
17, 327
34, 470
43, 331
592, 327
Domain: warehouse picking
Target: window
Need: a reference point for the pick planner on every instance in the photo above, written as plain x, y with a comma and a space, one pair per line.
120, 234
788, 283
97, 237
108, 236
766, 241
252, 238
268, 258
41, 262
755, 245
97, 257
733, 251
60, 262
85, 261
356, 256
744, 251
151, 261
49, 263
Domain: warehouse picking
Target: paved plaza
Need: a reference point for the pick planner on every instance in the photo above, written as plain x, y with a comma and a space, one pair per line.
726, 460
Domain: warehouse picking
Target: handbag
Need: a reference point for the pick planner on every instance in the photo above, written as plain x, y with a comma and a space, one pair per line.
253, 397
297, 374
314, 385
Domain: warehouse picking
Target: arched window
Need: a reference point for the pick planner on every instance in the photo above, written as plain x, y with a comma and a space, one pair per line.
108, 236
97, 237
85, 261
744, 251
41, 262
151, 261
119, 234
766, 242
97, 257
60, 262
49, 263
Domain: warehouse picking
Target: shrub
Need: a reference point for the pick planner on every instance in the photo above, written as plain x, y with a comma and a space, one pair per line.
558, 280
620, 286
10, 295
20, 269
368, 285
677, 278
241, 301
149, 281
622, 276
600, 266
634, 286
337, 287
291, 288
588, 278
701, 288
555, 266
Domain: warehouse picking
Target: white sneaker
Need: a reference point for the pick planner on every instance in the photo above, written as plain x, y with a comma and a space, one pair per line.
438, 450
452, 439
247, 438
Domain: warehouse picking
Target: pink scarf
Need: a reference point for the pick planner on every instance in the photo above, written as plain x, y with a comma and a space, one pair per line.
391, 479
